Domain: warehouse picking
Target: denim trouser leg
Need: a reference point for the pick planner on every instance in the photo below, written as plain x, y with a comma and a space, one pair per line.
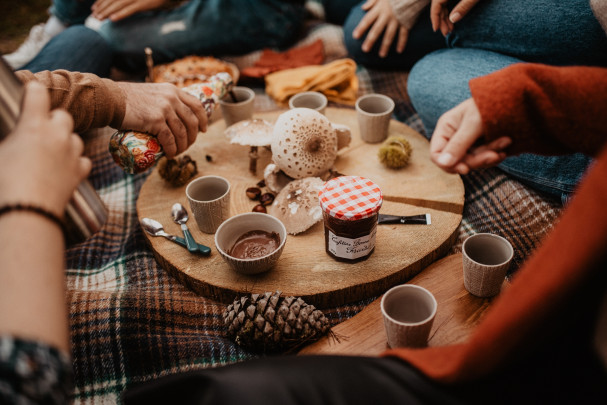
203, 27
439, 82
71, 12
422, 40
78, 49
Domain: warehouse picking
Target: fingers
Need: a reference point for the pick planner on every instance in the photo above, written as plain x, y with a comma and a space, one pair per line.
389, 34
363, 26
36, 103
403, 36
196, 107
374, 33
461, 9
436, 13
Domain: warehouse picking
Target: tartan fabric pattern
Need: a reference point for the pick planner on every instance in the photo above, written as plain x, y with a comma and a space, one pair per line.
131, 321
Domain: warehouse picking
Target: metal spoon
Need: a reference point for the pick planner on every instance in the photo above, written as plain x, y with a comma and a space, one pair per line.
155, 228
180, 216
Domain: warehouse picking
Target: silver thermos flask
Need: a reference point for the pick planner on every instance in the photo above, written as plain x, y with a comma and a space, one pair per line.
85, 213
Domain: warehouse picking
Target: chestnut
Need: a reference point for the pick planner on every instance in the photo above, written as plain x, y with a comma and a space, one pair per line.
266, 198
253, 193
260, 208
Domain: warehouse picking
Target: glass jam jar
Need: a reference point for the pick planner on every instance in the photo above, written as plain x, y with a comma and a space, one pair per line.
350, 206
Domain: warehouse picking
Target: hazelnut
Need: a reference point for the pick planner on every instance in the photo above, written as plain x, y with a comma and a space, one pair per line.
253, 193
260, 208
266, 198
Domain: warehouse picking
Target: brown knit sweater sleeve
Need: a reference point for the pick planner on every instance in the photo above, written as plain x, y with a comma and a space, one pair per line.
93, 102
544, 109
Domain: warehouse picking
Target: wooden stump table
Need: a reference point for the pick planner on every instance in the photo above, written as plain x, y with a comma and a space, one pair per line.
304, 269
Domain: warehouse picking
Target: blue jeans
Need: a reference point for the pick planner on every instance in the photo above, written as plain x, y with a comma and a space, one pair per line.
494, 35
198, 27
77, 49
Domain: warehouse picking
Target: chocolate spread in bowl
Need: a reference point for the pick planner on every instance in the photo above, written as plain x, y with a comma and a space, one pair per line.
255, 244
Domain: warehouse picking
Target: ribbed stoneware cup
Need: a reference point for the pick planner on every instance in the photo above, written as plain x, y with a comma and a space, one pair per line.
408, 311
239, 110
486, 259
309, 99
209, 198
374, 112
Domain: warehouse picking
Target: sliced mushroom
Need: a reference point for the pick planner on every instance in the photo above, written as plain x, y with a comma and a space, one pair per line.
275, 178
304, 143
297, 205
254, 133
344, 135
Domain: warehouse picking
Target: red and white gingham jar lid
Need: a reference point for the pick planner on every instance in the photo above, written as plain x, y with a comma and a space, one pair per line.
350, 198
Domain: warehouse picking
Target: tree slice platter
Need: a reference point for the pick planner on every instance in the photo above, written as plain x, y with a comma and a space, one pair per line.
457, 315
304, 269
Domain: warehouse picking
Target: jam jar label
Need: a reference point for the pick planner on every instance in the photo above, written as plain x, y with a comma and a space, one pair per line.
347, 248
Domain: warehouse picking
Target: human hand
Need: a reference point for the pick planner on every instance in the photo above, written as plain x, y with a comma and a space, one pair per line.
164, 110
116, 10
380, 18
452, 147
443, 19
42, 157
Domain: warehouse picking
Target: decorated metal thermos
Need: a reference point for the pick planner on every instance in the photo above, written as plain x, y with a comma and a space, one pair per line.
85, 213
136, 152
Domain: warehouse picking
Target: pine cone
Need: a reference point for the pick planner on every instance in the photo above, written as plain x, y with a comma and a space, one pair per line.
177, 171
270, 323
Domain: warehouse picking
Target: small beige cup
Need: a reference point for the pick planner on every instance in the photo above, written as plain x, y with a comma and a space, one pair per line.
486, 259
209, 198
408, 311
374, 112
240, 110
309, 99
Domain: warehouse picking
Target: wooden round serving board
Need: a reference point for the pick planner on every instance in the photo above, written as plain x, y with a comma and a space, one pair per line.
304, 269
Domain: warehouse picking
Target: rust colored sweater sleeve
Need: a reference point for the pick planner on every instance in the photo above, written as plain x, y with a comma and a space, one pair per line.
93, 102
545, 109
552, 303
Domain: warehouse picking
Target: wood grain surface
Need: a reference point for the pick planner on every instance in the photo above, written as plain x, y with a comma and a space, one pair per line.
457, 315
304, 269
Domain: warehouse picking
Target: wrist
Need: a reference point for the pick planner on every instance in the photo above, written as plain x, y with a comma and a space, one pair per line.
7, 209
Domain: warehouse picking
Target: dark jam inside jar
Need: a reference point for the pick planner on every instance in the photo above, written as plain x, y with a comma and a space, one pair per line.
350, 240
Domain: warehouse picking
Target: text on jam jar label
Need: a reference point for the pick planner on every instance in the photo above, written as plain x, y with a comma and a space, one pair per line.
351, 248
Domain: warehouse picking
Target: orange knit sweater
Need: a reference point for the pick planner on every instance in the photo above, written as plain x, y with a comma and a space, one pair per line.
553, 303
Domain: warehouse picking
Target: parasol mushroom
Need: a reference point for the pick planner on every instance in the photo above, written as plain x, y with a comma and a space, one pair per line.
304, 143
297, 205
254, 132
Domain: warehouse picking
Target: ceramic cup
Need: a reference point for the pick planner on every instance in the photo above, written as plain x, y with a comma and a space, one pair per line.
232, 229
209, 198
309, 99
240, 110
408, 311
486, 259
374, 112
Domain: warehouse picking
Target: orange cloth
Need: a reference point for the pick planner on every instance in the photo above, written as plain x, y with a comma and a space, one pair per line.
336, 80
552, 304
271, 61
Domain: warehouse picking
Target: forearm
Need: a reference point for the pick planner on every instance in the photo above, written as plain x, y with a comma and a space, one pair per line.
544, 109
93, 102
32, 279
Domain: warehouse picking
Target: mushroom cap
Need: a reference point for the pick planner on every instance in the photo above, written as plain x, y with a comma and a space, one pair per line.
304, 143
253, 132
297, 204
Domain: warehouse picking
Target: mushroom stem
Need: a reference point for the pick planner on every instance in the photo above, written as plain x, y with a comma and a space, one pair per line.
253, 159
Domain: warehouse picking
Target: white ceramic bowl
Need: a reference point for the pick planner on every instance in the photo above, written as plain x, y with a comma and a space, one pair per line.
231, 229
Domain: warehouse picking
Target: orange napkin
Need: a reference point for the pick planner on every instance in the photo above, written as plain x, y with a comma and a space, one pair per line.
271, 61
336, 80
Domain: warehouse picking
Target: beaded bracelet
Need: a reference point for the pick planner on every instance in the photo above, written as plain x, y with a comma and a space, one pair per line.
35, 209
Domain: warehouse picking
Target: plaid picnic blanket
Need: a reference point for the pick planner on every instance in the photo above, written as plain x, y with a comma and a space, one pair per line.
131, 321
